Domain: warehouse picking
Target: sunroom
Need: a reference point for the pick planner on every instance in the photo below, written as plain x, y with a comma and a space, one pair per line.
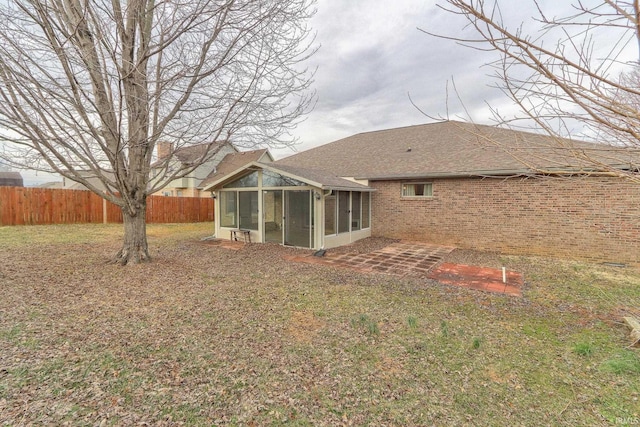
291, 206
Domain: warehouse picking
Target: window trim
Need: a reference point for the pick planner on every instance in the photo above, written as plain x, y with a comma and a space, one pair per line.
223, 194
404, 196
366, 194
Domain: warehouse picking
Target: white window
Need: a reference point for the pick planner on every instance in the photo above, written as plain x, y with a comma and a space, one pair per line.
228, 208
239, 209
418, 189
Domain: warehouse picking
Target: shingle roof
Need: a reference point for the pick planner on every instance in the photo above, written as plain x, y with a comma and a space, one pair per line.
11, 179
323, 178
448, 148
190, 154
232, 162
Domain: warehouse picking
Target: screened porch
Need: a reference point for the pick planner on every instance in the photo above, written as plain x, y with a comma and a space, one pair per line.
277, 206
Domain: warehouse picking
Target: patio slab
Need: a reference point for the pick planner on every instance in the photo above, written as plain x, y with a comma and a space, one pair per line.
422, 260
399, 259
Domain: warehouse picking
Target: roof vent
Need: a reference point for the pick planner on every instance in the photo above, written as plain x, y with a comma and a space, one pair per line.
409, 150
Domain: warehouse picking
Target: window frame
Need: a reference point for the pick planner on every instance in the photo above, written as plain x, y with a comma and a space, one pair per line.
416, 196
365, 195
228, 208
250, 212
333, 229
235, 210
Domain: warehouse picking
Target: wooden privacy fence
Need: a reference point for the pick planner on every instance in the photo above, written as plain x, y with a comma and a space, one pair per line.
31, 206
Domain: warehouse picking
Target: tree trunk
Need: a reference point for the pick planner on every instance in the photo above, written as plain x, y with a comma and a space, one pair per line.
134, 249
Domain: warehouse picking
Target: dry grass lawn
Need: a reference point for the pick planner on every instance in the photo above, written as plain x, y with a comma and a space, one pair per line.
210, 336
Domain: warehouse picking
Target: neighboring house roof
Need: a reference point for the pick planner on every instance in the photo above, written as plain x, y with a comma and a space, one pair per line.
52, 184
190, 154
11, 179
69, 184
72, 185
234, 161
452, 148
313, 177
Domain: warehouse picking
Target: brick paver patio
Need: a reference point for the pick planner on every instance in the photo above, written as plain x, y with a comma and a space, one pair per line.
419, 259
400, 259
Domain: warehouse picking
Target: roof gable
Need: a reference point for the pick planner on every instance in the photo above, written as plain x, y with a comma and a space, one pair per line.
234, 161
314, 178
191, 154
317, 178
188, 155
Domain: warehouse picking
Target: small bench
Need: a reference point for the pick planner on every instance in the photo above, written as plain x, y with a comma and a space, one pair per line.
246, 234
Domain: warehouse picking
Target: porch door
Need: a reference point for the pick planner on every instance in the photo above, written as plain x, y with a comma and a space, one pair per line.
272, 208
298, 223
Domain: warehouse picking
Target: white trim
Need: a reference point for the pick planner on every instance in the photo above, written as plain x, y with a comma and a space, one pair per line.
229, 177
319, 239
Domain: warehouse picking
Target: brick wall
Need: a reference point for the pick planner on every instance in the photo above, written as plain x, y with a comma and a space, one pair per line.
586, 218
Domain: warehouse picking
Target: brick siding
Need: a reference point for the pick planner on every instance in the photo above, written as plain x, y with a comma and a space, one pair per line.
588, 218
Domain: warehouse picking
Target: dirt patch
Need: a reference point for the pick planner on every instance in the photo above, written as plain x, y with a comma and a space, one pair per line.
479, 278
304, 326
390, 367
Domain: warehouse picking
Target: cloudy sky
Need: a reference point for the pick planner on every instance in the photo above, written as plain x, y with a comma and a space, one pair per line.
372, 57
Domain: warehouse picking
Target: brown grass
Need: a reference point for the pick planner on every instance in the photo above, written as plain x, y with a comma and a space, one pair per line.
210, 336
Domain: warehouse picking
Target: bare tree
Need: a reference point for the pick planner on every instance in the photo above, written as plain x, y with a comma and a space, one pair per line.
582, 80
88, 88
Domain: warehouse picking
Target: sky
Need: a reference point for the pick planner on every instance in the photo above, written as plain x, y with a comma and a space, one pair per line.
373, 57
373, 61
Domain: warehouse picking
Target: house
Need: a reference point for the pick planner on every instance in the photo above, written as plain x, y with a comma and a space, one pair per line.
11, 179
449, 183
52, 184
91, 177
189, 186
170, 161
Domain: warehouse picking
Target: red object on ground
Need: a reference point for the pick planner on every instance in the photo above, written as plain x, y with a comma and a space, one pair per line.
480, 278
